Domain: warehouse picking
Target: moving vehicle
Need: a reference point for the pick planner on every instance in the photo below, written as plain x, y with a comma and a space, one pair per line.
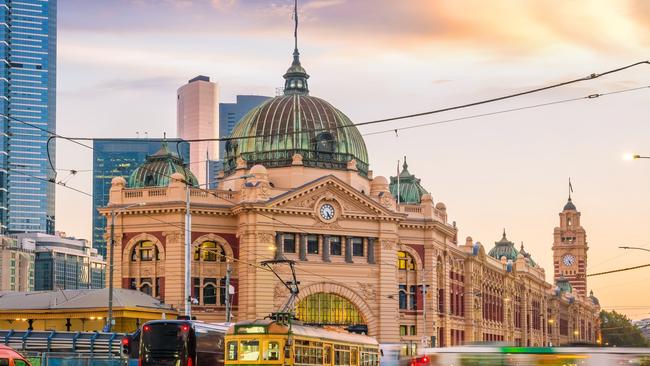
547, 356
182, 343
268, 342
9, 357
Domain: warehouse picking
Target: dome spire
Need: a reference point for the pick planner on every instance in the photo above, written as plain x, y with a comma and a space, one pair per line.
296, 76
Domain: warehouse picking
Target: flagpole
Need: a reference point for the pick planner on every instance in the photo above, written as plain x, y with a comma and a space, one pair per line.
398, 182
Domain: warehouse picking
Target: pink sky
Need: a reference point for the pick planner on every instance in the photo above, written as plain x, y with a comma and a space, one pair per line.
120, 63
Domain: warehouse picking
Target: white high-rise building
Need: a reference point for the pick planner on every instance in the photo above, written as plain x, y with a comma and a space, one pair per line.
198, 118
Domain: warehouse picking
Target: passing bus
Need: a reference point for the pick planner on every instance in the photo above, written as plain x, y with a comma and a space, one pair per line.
267, 342
181, 343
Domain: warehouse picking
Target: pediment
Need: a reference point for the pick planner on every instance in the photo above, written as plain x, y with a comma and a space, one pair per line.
331, 189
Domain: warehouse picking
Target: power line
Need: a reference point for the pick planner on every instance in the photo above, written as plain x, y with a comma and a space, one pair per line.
618, 270
591, 96
435, 111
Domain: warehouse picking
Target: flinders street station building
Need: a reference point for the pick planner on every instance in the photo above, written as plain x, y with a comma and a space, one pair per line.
374, 253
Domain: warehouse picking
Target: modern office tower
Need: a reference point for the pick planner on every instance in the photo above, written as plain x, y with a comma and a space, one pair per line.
64, 263
16, 264
118, 158
198, 118
27, 111
231, 113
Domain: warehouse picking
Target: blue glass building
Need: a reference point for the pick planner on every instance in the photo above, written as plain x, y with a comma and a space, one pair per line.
231, 113
119, 158
27, 107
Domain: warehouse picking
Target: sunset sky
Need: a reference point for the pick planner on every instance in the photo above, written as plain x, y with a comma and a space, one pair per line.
121, 61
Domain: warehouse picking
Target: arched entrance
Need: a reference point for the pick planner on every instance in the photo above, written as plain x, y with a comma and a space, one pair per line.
325, 308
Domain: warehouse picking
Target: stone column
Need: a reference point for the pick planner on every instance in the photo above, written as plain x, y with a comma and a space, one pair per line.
326, 248
279, 246
302, 238
371, 250
348, 249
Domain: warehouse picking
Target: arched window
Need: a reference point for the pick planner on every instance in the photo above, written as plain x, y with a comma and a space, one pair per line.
145, 250
210, 294
146, 288
405, 261
210, 251
327, 308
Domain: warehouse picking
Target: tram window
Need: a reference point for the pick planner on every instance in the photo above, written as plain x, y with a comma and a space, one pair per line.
231, 354
353, 356
328, 355
250, 350
4, 362
272, 351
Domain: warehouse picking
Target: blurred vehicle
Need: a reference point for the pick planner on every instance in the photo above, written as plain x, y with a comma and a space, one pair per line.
545, 356
182, 343
9, 357
389, 354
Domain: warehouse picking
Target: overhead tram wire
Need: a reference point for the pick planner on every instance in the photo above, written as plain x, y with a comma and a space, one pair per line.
591, 96
436, 111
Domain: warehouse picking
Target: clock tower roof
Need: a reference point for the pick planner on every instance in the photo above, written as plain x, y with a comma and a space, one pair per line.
570, 206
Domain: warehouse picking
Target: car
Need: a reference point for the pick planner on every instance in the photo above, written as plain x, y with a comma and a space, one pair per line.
9, 357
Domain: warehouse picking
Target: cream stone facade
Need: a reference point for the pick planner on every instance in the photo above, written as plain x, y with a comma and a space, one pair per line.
296, 185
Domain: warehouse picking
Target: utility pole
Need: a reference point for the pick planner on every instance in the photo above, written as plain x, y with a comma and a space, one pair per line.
188, 253
109, 320
227, 292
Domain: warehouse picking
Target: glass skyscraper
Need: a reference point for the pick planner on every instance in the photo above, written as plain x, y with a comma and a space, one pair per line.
231, 113
27, 107
119, 158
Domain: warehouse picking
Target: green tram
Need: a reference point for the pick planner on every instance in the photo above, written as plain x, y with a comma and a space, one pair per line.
269, 342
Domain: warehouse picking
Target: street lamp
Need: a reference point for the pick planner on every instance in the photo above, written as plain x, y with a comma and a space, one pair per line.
109, 319
637, 248
634, 157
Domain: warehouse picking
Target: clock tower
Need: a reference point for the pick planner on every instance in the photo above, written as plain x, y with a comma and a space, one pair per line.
570, 249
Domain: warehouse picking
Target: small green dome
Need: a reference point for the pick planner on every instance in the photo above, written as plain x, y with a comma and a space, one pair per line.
410, 190
156, 171
564, 285
504, 248
527, 255
593, 298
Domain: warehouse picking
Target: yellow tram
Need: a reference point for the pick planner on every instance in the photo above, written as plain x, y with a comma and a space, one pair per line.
268, 342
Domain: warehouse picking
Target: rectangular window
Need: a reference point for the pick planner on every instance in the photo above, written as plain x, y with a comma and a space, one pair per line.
414, 330
357, 247
272, 351
402, 330
312, 244
231, 351
335, 245
402, 297
250, 350
413, 305
289, 243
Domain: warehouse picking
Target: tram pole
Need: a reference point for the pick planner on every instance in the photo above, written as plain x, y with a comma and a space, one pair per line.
188, 253
227, 292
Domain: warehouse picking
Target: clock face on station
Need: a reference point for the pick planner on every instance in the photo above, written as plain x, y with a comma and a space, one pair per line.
568, 260
327, 212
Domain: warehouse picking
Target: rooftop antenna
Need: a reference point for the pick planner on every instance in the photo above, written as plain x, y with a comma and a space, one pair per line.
295, 29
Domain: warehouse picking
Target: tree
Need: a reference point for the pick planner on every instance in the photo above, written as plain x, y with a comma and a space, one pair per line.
617, 330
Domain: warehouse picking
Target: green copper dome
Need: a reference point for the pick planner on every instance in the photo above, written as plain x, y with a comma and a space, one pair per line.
564, 285
527, 255
296, 123
156, 171
410, 190
504, 248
